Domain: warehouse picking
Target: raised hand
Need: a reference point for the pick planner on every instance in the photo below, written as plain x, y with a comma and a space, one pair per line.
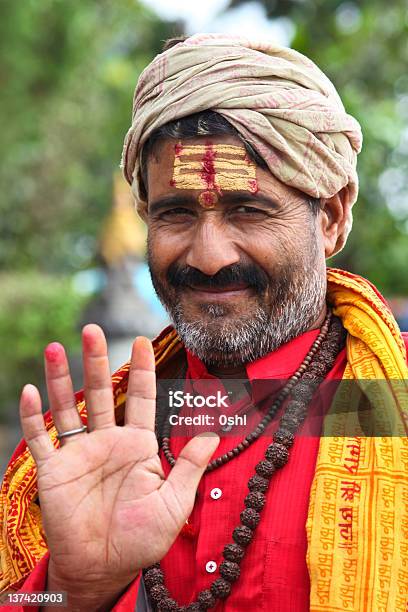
107, 509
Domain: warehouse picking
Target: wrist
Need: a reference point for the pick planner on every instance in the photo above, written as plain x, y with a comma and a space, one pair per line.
88, 595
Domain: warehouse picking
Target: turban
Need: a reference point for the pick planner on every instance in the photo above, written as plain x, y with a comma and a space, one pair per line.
276, 98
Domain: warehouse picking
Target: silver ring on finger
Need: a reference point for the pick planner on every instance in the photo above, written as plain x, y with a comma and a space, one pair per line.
72, 432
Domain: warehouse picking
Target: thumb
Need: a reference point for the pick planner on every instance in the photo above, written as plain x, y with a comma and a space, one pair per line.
185, 476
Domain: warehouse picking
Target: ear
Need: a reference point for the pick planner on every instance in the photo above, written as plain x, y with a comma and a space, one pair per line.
334, 219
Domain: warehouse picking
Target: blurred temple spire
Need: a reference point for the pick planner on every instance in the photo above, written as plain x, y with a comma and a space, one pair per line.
123, 234
122, 307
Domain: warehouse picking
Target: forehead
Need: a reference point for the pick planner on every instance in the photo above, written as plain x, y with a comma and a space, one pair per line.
190, 164
165, 150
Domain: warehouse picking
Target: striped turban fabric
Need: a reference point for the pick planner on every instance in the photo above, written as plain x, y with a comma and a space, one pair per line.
276, 98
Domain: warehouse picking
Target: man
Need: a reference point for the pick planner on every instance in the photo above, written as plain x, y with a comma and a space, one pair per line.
242, 160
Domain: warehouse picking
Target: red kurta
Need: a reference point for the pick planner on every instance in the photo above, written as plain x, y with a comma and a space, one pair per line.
274, 574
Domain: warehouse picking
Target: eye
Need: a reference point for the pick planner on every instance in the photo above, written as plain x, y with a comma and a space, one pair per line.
252, 211
177, 212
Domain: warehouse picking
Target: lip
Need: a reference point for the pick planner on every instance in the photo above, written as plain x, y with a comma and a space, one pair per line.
213, 294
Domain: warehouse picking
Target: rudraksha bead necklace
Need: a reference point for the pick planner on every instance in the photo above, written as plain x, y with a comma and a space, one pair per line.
260, 428
318, 362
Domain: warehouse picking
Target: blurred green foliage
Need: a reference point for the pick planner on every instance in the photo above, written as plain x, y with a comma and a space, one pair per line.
363, 47
34, 309
68, 69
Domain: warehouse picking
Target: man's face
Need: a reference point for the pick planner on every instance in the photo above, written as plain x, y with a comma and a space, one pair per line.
236, 256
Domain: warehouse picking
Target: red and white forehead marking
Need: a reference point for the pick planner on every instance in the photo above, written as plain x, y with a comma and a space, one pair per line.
213, 169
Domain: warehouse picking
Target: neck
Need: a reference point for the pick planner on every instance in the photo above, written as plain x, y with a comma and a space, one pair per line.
239, 371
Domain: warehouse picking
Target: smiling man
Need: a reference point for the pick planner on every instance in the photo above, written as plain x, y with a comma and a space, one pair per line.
233, 253
242, 161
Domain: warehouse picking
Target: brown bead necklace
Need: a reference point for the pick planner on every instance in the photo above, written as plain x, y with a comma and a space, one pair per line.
301, 386
260, 428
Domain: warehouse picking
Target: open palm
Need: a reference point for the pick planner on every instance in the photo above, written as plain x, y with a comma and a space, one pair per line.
107, 509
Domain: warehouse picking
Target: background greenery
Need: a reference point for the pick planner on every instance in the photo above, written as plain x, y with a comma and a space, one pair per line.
68, 70
363, 47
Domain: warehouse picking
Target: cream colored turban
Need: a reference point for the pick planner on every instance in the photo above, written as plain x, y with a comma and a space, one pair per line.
278, 99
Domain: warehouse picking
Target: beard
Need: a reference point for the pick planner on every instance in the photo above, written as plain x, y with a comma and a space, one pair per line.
286, 303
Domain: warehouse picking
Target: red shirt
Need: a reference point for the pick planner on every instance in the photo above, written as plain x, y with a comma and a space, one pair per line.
274, 574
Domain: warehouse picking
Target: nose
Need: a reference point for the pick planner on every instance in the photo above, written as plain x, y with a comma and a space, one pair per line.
212, 249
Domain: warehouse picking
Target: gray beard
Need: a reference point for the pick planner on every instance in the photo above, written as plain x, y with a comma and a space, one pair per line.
229, 341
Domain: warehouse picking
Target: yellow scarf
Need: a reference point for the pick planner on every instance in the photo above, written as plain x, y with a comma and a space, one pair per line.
357, 525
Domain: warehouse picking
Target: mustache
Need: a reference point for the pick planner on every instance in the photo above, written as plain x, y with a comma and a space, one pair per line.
181, 277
